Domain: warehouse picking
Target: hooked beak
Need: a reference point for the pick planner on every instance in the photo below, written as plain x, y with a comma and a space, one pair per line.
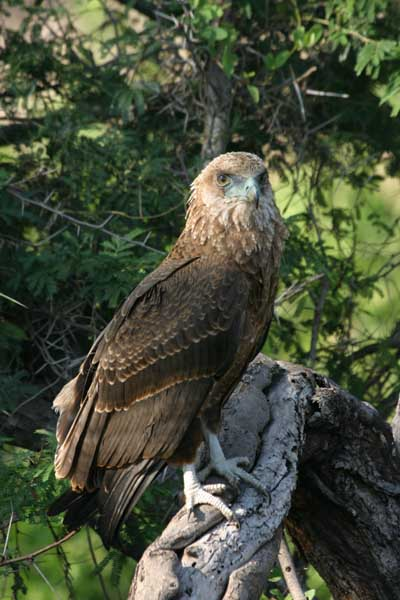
252, 191
244, 189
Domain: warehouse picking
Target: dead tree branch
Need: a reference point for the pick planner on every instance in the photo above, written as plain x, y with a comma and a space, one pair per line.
218, 97
330, 464
289, 572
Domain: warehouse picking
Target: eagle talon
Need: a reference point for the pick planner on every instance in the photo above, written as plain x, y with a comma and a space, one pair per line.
214, 488
197, 494
227, 472
230, 468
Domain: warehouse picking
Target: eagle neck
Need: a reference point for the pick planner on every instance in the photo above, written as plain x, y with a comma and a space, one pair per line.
236, 232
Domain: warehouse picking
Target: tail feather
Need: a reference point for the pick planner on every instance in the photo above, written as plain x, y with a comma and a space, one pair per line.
119, 495
111, 504
79, 508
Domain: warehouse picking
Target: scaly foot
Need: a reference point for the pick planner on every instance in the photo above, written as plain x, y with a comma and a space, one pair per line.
229, 468
196, 494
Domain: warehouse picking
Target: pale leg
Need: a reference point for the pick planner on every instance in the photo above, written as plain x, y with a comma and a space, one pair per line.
195, 493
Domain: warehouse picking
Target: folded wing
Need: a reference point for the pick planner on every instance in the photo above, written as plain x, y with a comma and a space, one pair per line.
150, 371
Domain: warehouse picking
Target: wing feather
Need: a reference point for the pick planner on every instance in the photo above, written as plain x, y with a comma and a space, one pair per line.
150, 371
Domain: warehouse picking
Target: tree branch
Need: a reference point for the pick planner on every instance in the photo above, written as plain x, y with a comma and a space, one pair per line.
329, 463
319, 306
32, 555
97, 226
218, 95
396, 426
289, 572
212, 559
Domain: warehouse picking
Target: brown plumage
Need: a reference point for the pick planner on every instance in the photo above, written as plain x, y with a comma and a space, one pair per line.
157, 376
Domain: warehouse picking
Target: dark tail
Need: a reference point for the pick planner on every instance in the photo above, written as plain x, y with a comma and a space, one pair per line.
111, 504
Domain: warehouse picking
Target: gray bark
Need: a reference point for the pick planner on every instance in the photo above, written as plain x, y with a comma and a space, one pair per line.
218, 104
330, 464
396, 426
345, 514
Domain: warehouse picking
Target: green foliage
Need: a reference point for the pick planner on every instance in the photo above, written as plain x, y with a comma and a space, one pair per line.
27, 481
102, 120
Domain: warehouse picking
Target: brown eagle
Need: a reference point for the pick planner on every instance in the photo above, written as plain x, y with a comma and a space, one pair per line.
153, 384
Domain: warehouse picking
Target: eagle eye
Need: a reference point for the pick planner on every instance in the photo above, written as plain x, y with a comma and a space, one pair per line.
223, 179
263, 178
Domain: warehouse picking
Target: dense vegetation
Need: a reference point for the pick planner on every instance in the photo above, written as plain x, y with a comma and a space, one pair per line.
105, 110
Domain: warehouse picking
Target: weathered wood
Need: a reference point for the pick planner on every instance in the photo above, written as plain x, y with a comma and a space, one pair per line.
217, 561
289, 572
298, 429
345, 515
396, 426
218, 104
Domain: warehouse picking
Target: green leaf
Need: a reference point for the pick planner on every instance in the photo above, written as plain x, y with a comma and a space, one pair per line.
313, 35
229, 60
269, 61
364, 57
281, 58
275, 61
248, 10
139, 100
4, 177
220, 33
254, 93
46, 473
210, 11
299, 37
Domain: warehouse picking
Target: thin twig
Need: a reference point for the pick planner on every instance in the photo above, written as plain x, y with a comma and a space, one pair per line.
288, 80
317, 320
78, 222
12, 300
289, 572
306, 74
65, 564
55, 211
393, 341
310, 92
96, 564
43, 576
351, 32
39, 173
32, 555
298, 287
34, 396
299, 95
8, 532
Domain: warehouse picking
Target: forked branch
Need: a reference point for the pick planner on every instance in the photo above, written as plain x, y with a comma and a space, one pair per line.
330, 463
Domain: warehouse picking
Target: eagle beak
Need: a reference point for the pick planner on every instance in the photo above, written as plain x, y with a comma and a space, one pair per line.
252, 191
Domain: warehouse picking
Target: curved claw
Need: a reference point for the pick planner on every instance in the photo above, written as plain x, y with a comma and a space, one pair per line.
235, 462
254, 482
231, 468
214, 488
202, 496
197, 494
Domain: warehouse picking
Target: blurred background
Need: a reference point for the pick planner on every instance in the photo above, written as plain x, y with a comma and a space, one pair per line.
108, 109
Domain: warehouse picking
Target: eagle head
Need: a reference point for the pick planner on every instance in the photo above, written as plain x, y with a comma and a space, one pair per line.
235, 177
231, 196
